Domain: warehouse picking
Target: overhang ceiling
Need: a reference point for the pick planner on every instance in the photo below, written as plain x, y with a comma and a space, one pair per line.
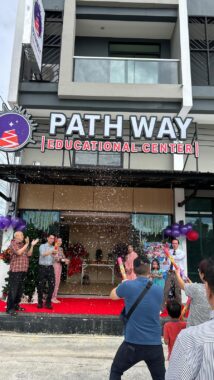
124, 29
105, 177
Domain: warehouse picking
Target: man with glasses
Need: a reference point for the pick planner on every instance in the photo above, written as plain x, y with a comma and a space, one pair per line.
172, 290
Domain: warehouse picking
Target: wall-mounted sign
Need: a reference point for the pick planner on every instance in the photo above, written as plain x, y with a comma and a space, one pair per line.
174, 129
34, 32
80, 134
16, 129
115, 146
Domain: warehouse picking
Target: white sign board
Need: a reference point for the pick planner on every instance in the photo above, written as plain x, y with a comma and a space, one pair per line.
37, 31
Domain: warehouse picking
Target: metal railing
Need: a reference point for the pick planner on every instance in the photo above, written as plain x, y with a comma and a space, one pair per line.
126, 70
51, 52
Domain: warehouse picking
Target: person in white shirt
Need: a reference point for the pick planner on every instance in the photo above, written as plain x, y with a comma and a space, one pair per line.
193, 352
172, 290
178, 254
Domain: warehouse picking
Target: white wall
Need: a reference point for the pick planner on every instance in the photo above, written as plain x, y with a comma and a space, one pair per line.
206, 149
7, 236
150, 161
175, 42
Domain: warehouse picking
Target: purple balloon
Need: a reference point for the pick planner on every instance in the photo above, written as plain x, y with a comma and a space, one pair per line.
175, 233
175, 229
183, 230
7, 221
175, 226
21, 221
189, 226
2, 225
14, 222
21, 227
168, 231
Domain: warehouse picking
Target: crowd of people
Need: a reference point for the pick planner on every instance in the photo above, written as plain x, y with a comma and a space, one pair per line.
190, 344
145, 292
51, 257
166, 278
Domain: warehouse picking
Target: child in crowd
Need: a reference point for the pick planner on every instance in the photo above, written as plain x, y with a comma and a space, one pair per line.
165, 267
174, 326
157, 273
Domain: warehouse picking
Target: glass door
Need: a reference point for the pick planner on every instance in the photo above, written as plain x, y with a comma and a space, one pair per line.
203, 247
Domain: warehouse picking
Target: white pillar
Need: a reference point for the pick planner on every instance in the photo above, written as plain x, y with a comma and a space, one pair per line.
185, 61
7, 236
4, 268
179, 212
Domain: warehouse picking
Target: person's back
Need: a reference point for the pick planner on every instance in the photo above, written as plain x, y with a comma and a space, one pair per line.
174, 326
199, 306
142, 330
197, 344
144, 324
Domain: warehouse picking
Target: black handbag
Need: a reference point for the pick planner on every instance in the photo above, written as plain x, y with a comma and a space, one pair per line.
125, 317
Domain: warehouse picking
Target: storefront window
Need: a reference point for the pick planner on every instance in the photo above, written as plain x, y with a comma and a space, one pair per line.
201, 31
98, 158
199, 212
85, 158
148, 227
41, 220
109, 159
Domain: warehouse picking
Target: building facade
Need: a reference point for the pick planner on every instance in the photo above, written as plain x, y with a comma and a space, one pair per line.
123, 101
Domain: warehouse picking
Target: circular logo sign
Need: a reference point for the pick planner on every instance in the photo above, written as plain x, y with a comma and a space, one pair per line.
15, 129
37, 19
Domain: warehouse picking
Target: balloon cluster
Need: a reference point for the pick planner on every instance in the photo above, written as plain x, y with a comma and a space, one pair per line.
178, 229
14, 222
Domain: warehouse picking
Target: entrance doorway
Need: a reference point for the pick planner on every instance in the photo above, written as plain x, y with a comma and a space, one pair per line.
92, 238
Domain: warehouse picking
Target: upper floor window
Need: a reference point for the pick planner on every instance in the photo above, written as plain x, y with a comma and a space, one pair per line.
134, 50
201, 31
96, 158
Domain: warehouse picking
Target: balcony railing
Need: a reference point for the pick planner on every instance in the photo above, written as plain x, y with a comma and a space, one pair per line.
126, 70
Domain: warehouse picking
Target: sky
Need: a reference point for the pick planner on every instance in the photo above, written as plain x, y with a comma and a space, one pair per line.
8, 9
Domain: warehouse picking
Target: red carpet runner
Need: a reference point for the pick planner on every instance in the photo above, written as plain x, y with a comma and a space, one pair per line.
95, 306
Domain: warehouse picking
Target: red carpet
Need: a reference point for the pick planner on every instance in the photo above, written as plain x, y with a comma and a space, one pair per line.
95, 306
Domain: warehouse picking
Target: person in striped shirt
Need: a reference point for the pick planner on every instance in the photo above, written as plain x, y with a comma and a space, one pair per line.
193, 352
199, 306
